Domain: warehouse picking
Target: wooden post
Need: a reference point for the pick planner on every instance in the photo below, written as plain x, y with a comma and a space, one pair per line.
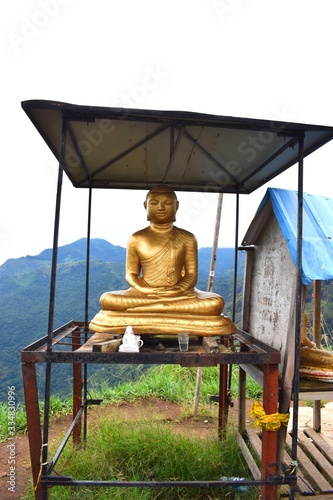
209, 289
241, 400
77, 390
316, 312
317, 340
223, 399
33, 423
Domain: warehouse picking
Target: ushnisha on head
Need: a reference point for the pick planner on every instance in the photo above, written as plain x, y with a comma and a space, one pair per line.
161, 204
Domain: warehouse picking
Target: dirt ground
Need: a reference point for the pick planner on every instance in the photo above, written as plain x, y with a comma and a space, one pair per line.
170, 413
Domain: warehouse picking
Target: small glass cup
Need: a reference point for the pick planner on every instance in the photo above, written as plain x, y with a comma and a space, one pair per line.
183, 340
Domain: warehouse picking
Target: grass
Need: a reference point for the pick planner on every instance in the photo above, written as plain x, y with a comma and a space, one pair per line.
167, 382
58, 407
148, 451
172, 383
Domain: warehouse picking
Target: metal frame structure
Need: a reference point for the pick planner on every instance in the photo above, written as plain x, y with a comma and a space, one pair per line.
240, 349
213, 147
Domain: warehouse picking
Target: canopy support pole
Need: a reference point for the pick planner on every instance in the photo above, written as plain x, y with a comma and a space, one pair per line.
51, 306
86, 321
298, 304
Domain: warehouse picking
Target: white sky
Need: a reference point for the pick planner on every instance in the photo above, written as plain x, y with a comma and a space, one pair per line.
268, 59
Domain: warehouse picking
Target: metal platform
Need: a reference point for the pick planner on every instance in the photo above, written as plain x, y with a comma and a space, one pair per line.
239, 348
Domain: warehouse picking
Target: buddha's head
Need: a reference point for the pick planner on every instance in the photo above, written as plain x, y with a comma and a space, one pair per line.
161, 204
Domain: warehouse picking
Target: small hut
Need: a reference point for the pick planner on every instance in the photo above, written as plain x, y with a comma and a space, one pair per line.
270, 281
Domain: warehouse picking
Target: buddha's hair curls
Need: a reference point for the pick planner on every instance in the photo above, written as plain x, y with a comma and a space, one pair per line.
161, 189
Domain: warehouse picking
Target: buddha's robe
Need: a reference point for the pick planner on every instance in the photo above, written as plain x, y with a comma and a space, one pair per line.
175, 304
166, 269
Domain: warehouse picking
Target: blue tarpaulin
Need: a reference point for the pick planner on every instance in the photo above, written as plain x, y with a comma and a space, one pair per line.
317, 240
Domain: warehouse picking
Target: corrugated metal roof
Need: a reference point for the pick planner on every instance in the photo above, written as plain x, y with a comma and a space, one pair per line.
135, 148
317, 238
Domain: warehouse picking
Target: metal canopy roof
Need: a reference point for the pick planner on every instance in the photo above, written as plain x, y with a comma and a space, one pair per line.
135, 149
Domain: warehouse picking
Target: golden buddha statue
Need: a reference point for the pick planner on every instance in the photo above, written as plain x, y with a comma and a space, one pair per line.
162, 271
315, 362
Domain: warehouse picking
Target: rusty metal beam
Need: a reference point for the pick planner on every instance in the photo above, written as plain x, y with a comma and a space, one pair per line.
33, 423
269, 438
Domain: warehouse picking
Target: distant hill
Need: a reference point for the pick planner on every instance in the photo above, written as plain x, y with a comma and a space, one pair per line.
224, 258
25, 290
100, 250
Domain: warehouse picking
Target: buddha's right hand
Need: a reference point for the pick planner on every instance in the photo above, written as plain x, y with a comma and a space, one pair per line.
147, 290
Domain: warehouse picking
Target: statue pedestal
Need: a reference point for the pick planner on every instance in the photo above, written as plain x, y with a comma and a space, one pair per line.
204, 326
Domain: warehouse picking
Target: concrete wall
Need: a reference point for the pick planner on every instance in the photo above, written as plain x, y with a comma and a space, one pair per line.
272, 279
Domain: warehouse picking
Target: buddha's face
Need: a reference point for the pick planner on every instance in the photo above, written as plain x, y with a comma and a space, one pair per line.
161, 207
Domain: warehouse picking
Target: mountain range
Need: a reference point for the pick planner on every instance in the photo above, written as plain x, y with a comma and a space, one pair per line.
25, 291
